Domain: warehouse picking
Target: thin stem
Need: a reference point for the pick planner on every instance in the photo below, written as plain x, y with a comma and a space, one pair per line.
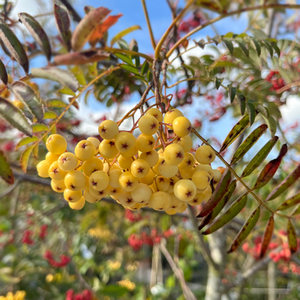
149, 24
160, 43
235, 12
236, 175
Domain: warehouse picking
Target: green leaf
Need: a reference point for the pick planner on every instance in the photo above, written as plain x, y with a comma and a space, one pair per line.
217, 195
229, 45
259, 157
39, 128
218, 82
272, 125
227, 216
131, 69
296, 211
27, 95
285, 184
267, 237
149, 76
25, 158
36, 150
124, 58
14, 117
232, 93
6, 172
242, 45
213, 214
259, 34
248, 143
115, 291
37, 32
189, 68
242, 103
64, 77
235, 132
292, 237
290, 202
63, 23
285, 75
3, 73
270, 169
25, 141
245, 230
257, 46
269, 47
55, 103
263, 110
86, 26
251, 112
275, 47
13, 45
50, 115
124, 32
145, 67
67, 91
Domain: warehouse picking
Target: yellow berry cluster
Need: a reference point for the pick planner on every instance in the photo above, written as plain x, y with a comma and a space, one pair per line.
19, 295
155, 169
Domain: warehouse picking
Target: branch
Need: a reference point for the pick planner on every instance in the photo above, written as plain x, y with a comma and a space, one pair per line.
235, 12
188, 294
71, 10
9, 189
149, 24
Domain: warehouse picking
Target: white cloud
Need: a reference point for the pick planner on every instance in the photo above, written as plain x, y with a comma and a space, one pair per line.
290, 111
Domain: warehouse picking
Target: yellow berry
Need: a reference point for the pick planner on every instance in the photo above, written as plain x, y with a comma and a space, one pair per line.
128, 182
108, 148
148, 179
207, 193
216, 176
18, 104
185, 190
108, 129
130, 153
51, 158
162, 183
182, 126
99, 194
174, 154
156, 113
56, 144
99, 180
198, 199
167, 170
43, 168
55, 172
90, 198
205, 154
171, 115
187, 162
148, 125
78, 205
139, 168
206, 168
151, 157
125, 141
126, 199
67, 161
95, 141
142, 193
185, 142
124, 162
145, 143
114, 176
183, 206
92, 165
201, 179
72, 196
160, 201
75, 180
85, 150
58, 185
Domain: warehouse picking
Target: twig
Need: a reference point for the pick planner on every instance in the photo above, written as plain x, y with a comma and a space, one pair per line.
149, 24
72, 11
9, 189
178, 273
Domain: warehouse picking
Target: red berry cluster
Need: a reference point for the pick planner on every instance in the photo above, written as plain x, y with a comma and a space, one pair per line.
27, 237
132, 216
136, 241
43, 232
64, 260
3, 126
291, 267
276, 81
84, 295
192, 22
219, 106
67, 124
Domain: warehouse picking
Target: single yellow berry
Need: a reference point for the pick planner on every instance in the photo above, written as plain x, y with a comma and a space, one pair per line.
182, 126
151, 157
51, 158
72, 196
75, 180
85, 150
125, 141
205, 154
160, 201
67, 161
58, 185
185, 142
145, 143
43, 169
99, 180
55, 172
156, 113
139, 168
108, 149
78, 205
185, 190
201, 179
174, 154
56, 144
148, 125
92, 165
171, 115
108, 129
128, 182
142, 193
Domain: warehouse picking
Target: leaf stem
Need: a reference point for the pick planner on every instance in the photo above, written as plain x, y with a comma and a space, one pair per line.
148, 24
223, 16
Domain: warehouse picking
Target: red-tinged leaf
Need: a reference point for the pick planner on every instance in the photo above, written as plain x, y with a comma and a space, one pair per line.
3, 73
218, 194
230, 213
79, 58
296, 210
270, 169
245, 230
248, 143
27, 95
25, 158
63, 24
124, 32
86, 26
100, 30
14, 117
37, 32
13, 45
25, 141
36, 150
6, 172
64, 77
88, 8
259, 157
292, 237
235, 132
213, 214
285, 184
267, 237
290, 202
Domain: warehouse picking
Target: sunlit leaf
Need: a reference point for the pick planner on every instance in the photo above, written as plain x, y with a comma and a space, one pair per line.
267, 237
13, 45
145, 67
242, 45
257, 46
213, 214
235, 132
25, 158
217, 195
37, 33
86, 26
124, 32
245, 230
25, 141
64, 77
270, 169
6, 172
14, 117
3, 73
296, 210
259, 157
39, 128
125, 58
263, 110
50, 115
27, 95
229, 45
55, 103
130, 69
292, 237
228, 215
101, 28
251, 112
290, 202
36, 150
285, 184
248, 143
62, 19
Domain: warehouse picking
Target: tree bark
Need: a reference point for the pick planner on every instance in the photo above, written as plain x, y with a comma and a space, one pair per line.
271, 281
